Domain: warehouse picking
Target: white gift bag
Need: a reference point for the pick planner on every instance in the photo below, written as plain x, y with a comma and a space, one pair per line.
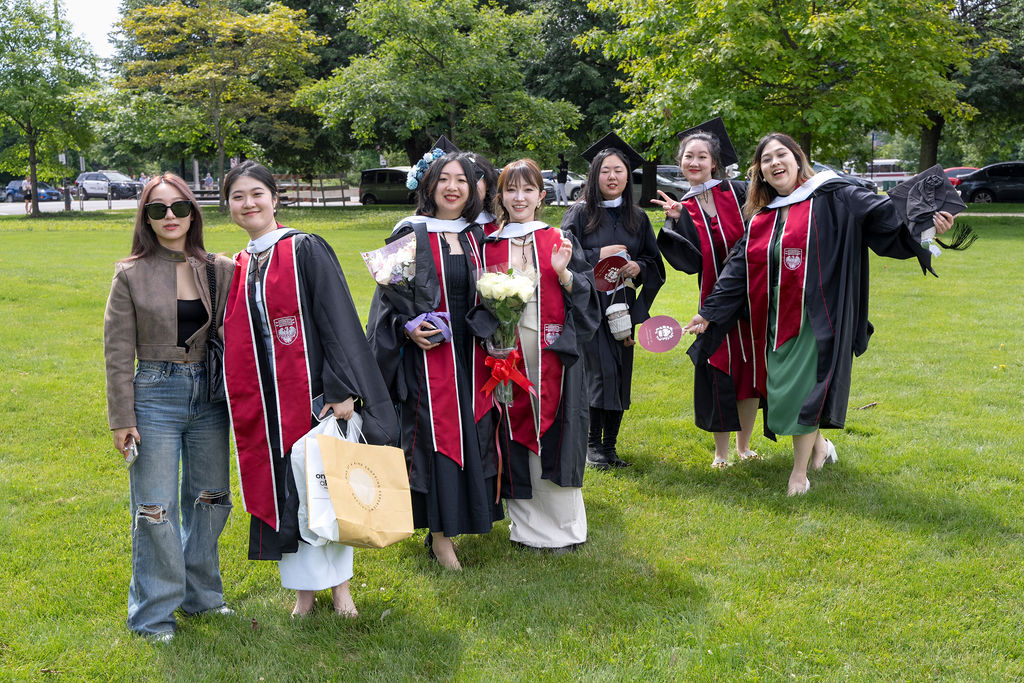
317, 522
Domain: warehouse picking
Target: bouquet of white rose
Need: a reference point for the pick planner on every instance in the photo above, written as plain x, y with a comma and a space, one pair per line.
504, 293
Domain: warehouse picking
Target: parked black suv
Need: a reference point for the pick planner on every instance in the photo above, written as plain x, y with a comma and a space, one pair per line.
995, 183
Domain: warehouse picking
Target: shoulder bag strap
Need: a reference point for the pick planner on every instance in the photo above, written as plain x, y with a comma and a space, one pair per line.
211, 279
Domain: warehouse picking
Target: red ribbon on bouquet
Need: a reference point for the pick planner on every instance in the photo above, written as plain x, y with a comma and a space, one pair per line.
503, 370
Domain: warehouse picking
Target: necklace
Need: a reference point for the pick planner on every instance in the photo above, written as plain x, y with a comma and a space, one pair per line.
707, 202
523, 243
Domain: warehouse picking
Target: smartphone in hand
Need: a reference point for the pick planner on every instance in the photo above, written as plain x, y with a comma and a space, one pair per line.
132, 454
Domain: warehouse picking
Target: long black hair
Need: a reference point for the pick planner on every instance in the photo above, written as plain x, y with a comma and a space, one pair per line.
485, 171
144, 241
595, 212
425, 205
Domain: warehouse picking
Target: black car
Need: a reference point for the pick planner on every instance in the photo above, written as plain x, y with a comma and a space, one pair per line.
995, 183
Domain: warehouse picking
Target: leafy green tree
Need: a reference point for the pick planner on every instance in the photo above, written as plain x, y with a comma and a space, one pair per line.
41, 68
218, 68
995, 84
564, 71
817, 70
443, 66
293, 136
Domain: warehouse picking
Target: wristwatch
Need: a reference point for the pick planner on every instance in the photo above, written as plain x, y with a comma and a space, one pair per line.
567, 281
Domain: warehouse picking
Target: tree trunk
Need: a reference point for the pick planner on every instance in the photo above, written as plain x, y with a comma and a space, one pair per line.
411, 146
220, 174
805, 144
219, 137
33, 140
931, 133
649, 186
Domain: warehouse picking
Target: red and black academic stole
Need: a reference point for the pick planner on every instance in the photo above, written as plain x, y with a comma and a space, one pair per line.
717, 236
552, 322
792, 271
246, 399
439, 362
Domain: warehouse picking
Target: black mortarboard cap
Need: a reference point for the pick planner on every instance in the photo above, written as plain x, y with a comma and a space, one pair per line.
715, 127
633, 158
916, 200
445, 145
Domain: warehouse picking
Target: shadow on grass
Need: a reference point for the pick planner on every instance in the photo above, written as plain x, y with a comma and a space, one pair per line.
838, 487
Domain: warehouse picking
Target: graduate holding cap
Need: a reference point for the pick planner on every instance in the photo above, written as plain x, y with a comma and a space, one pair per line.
700, 230
803, 269
426, 354
607, 223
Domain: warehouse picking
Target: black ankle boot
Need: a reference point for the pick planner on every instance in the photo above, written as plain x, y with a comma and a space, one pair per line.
612, 421
595, 451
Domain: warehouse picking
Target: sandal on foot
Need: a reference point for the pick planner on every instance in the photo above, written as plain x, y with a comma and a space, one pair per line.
831, 457
750, 455
717, 464
807, 487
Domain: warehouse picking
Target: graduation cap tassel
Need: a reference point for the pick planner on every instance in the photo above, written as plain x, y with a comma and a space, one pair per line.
963, 237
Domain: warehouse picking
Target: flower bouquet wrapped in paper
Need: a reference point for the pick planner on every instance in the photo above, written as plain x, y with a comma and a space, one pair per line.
394, 264
393, 267
504, 293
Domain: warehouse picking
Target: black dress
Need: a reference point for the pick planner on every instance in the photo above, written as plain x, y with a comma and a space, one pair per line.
446, 498
609, 362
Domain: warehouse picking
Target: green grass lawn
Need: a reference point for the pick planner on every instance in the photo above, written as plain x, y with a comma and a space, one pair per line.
995, 207
903, 562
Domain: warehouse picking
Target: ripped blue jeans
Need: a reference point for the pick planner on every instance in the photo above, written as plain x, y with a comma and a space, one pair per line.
175, 563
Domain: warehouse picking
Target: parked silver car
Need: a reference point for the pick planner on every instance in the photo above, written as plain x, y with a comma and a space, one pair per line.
575, 185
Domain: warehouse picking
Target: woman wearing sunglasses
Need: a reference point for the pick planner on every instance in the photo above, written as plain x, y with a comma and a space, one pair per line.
159, 313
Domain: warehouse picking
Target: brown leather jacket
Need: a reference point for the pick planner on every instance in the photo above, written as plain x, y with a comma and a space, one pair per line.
141, 321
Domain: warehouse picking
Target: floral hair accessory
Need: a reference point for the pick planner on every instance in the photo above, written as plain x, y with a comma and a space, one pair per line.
412, 179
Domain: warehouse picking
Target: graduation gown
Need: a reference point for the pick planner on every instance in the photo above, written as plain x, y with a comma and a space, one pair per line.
609, 362
453, 480
563, 446
844, 221
697, 244
339, 365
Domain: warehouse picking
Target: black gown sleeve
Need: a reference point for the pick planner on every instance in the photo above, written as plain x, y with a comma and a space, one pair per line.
680, 244
575, 221
883, 231
582, 307
724, 305
652, 271
347, 366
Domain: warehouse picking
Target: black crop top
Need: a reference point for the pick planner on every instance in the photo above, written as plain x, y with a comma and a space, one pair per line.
192, 315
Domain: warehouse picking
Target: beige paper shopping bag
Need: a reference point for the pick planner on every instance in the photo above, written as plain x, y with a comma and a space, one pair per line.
369, 487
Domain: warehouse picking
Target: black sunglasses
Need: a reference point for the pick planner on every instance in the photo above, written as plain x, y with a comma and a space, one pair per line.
157, 210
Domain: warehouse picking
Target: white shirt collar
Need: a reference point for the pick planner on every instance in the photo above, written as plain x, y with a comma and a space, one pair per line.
264, 242
611, 203
435, 224
484, 218
804, 191
696, 190
520, 229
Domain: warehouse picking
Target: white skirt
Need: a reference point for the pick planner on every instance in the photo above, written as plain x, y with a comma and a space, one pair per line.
314, 568
553, 518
